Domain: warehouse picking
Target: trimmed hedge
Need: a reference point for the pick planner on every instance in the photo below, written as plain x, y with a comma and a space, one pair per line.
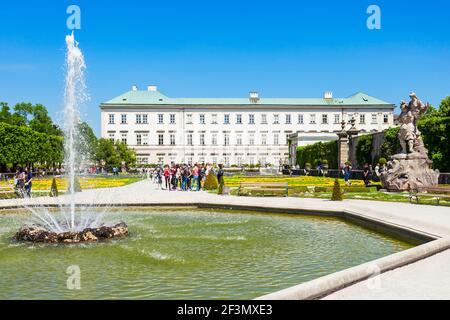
318, 151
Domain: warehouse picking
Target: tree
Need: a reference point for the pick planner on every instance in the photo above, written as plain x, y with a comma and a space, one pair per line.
435, 128
86, 141
5, 114
126, 155
364, 150
41, 121
106, 153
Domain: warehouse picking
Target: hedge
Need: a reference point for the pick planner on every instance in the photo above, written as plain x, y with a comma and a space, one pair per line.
318, 152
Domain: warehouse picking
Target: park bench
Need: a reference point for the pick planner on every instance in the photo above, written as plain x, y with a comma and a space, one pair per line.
437, 194
264, 188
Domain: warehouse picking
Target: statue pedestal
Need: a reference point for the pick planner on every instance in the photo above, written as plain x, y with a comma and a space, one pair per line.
408, 172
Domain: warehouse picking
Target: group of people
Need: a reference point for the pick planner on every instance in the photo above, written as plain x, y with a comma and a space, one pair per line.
183, 177
23, 182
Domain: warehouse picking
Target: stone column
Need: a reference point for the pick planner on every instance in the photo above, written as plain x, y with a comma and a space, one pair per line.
342, 148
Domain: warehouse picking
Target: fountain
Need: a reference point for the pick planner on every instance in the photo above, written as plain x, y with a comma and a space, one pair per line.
71, 226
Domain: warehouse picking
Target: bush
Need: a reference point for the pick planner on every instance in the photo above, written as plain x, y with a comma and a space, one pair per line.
220, 189
77, 185
54, 189
364, 150
211, 182
337, 192
326, 151
382, 161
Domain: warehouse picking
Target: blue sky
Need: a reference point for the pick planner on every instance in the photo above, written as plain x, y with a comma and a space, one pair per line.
226, 49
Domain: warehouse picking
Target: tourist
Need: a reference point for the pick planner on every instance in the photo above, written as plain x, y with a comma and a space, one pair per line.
28, 176
195, 173
366, 175
173, 177
167, 177
347, 173
220, 174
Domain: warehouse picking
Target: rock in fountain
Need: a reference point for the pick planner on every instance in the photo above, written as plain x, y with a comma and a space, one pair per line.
39, 233
411, 170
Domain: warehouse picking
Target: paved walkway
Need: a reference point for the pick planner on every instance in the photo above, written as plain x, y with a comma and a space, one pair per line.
427, 278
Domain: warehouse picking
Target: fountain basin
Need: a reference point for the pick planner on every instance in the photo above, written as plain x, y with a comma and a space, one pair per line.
40, 234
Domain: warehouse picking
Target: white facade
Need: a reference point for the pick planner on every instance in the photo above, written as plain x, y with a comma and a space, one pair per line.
228, 131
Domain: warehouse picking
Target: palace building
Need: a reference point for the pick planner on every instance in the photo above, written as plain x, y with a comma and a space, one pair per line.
232, 131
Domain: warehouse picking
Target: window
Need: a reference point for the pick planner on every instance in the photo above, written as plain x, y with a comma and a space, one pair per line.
239, 118
190, 139
144, 118
111, 136
123, 119
239, 139
251, 139
288, 119
262, 161
214, 119
202, 139
138, 139
172, 118
202, 118
226, 139
276, 139
111, 118
324, 119
312, 119
263, 139
226, 119
300, 119
337, 119
214, 139
226, 161
374, 118
161, 139
264, 119
189, 118
251, 119
145, 139
276, 119
160, 118
386, 119
141, 118
138, 119
124, 138
239, 161
362, 118
142, 160
172, 139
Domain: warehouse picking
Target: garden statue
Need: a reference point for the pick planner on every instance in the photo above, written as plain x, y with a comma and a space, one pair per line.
410, 170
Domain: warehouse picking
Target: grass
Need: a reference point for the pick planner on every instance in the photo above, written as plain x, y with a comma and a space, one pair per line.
319, 187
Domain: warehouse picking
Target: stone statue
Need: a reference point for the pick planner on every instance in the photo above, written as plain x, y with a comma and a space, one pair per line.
410, 170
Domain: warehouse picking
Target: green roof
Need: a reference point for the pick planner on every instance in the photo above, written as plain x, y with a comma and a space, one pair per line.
157, 98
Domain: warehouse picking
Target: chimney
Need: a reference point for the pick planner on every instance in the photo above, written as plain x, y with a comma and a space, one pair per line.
254, 96
328, 95
134, 88
152, 88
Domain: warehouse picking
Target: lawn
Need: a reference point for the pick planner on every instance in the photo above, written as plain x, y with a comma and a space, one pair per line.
320, 187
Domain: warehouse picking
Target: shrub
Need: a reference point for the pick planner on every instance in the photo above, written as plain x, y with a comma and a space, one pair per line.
382, 161
54, 189
364, 149
77, 185
337, 192
311, 153
220, 189
211, 182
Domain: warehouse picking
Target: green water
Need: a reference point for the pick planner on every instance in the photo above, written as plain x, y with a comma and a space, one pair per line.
188, 254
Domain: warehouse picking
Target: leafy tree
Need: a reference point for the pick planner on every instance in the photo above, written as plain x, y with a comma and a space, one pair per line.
86, 141
126, 155
5, 114
106, 153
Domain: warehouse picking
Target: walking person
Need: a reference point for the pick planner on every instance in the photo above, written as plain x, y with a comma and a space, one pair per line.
220, 173
167, 177
28, 182
347, 173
